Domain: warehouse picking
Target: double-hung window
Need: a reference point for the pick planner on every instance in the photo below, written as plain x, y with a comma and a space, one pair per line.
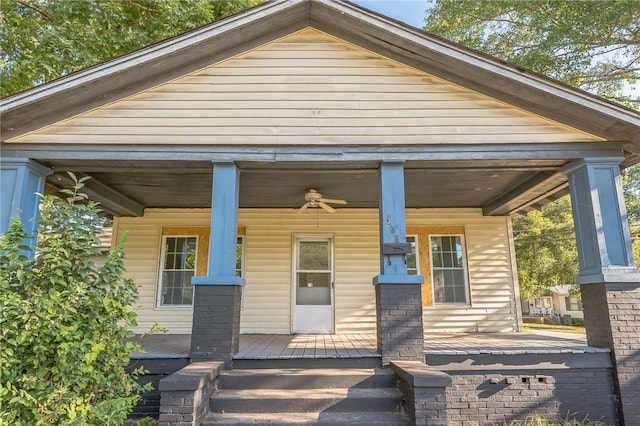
178, 266
185, 253
448, 269
573, 304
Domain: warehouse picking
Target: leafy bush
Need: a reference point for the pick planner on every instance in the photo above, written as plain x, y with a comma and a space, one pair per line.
64, 322
577, 322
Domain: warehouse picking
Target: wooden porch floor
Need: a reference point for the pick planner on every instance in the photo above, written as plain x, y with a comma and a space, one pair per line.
307, 346
340, 346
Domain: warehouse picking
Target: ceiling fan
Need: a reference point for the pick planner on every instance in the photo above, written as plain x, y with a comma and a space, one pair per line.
314, 199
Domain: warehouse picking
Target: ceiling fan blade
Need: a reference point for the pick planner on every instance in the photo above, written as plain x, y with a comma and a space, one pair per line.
302, 209
326, 207
332, 201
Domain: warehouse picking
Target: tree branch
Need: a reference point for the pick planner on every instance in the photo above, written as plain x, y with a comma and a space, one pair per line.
36, 9
138, 5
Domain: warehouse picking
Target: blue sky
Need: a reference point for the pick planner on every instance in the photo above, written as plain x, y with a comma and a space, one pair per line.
411, 12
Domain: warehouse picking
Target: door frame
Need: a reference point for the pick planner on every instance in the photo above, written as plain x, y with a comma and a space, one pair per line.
295, 238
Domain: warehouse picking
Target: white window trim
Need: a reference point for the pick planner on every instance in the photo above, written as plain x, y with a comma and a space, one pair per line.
243, 241
465, 273
163, 245
417, 247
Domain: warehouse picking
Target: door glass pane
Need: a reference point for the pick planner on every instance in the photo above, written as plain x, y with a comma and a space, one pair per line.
313, 273
313, 255
314, 288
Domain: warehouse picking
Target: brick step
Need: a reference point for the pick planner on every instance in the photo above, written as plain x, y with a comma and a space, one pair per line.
318, 378
338, 419
305, 400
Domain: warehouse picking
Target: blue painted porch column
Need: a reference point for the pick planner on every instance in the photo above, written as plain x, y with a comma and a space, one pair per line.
609, 280
216, 308
400, 334
21, 179
600, 218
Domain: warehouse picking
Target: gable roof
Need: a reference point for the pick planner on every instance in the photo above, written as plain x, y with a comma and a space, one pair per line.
163, 61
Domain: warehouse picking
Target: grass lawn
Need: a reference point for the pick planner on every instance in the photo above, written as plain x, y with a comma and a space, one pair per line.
529, 328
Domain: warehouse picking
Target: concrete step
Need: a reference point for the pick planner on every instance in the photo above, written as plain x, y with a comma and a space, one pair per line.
341, 419
317, 378
305, 400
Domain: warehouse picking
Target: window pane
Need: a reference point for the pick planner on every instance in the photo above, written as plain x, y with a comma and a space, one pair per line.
313, 288
448, 260
449, 295
313, 255
438, 286
313, 279
436, 260
460, 294
239, 249
170, 245
436, 244
458, 253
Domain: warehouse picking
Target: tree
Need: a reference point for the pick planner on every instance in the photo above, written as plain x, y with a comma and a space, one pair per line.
41, 40
546, 251
631, 185
593, 45
65, 322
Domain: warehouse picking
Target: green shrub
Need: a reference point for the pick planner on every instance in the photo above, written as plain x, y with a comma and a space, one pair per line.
64, 322
577, 322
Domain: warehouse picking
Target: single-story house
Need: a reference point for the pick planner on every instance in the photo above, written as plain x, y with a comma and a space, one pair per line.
310, 166
559, 301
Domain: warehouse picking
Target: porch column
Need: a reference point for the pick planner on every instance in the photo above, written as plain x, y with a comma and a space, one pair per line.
609, 281
21, 179
398, 295
216, 308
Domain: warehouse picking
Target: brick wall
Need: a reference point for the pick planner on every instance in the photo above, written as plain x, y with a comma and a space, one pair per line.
185, 395
424, 392
157, 369
502, 388
612, 318
399, 322
216, 323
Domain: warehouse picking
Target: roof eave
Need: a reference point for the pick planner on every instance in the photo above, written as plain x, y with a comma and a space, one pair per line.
122, 76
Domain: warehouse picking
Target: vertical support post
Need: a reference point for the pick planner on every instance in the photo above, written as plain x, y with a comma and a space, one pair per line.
609, 280
400, 334
215, 333
21, 179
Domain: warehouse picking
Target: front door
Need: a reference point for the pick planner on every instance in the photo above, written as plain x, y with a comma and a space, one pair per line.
313, 285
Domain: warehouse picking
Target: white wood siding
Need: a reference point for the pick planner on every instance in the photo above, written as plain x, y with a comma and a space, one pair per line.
312, 88
268, 251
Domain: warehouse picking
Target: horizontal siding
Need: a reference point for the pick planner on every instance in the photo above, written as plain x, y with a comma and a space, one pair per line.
491, 279
268, 267
312, 87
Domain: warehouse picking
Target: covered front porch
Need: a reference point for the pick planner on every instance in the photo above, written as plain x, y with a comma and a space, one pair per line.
510, 373
363, 345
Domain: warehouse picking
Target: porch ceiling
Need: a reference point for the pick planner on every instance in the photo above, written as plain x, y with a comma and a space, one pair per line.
127, 187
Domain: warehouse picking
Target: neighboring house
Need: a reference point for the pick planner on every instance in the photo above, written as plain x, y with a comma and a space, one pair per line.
559, 301
434, 147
